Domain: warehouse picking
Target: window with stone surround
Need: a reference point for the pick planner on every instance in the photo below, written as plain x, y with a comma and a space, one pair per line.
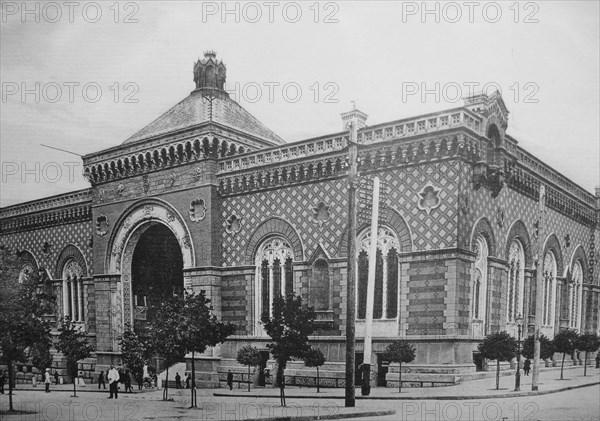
575, 296
274, 274
516, 281
73, 298
549, 289
385, 305
319, 286
479, 283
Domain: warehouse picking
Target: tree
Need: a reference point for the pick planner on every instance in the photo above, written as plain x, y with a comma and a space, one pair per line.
22, 310
134, 353
400, 351
315, 358
40, 355
250, 356
165, 335
564, 341
546, 347
500, 347
74, 345
200, 329
289, 327
587, 342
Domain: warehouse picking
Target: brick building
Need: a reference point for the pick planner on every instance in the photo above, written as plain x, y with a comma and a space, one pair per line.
207, 197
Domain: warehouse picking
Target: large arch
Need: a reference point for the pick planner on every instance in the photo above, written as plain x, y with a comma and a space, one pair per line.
271, 227
518, 231
394, 221
127, 232
484, 228
138, 215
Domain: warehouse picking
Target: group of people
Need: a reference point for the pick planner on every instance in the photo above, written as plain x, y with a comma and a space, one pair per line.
114, 377
188, 381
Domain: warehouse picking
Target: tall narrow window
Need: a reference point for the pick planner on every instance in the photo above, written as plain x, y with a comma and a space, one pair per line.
319, 286
385, 304
549, 289
73, 291
575, 296
274, 275
516, 280
479, 284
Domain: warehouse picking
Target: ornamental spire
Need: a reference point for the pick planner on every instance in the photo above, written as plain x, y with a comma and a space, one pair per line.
210, 73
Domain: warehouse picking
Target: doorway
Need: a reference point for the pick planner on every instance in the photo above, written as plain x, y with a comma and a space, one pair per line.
263, 373
383, 366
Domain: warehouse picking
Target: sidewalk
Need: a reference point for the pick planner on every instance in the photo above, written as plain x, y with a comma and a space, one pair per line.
549, 382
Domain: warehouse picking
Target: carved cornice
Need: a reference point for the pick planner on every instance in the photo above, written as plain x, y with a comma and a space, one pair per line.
59, 216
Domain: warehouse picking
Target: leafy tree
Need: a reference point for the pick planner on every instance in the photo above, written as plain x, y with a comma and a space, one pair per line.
587, 342
315, 358
564, 341
500, 347
289, 328
22, 310
250, 356
74, 345
546, 347
164, 331
200, 329
40, 355
400, 351
134, 353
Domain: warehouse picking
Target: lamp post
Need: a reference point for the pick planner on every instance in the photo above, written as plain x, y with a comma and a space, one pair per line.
518, 375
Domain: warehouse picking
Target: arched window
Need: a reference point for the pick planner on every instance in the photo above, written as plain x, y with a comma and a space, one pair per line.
479, 285
516, 280
73, 290
274, 272
319, 286
385, 304
575, 296
549, 289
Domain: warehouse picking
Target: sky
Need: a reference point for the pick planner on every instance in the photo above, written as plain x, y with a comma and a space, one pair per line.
84, 76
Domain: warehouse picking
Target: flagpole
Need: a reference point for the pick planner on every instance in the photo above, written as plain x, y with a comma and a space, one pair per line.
366, 370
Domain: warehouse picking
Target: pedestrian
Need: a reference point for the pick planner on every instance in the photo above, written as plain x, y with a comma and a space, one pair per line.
55, 377
113, 379
2, 381
121, 375
101, 380
47, 380
188, 379
128, 387
527, 366
177, 381
230, 380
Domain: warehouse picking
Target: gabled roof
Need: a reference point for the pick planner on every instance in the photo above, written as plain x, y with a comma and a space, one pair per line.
204, 106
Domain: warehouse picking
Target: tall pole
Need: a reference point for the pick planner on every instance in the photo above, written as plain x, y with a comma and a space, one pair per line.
351, 287
518, 375
539, 282
366, 369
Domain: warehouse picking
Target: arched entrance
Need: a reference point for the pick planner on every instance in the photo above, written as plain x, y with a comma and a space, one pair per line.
150, 233
156, 271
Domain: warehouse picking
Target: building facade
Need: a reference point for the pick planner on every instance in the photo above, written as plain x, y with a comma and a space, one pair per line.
207, 198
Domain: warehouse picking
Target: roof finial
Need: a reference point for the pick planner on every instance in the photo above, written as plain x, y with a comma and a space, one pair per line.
353, 102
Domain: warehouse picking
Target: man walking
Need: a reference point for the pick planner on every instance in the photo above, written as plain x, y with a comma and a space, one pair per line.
230, 380
2, 380
47, 380
101, 380
177, 381
113, 380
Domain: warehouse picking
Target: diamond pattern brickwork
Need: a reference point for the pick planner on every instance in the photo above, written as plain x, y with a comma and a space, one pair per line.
59, 237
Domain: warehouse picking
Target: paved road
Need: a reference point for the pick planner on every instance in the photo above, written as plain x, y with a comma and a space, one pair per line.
573, 405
